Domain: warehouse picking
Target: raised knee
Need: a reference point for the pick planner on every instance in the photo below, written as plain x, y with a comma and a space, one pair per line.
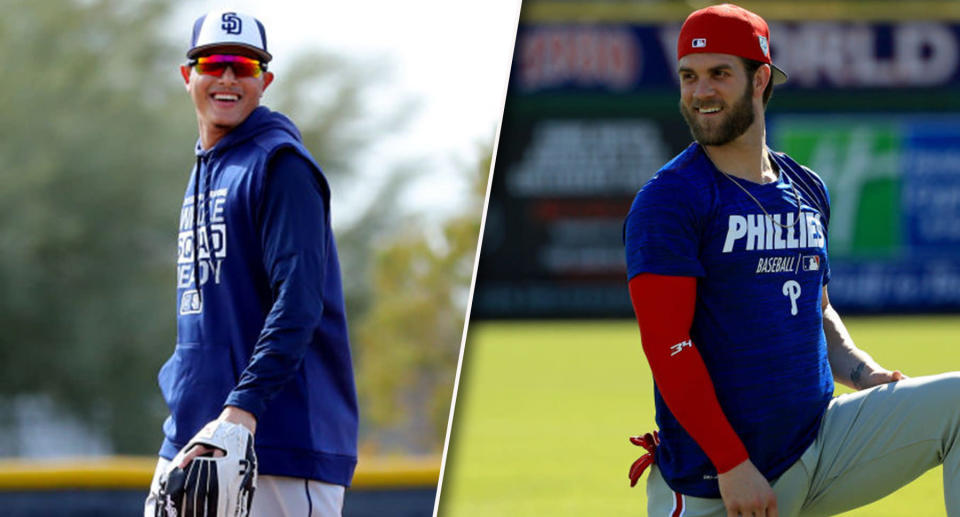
942, 389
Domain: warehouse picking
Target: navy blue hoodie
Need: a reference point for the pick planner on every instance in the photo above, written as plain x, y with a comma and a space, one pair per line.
267, 331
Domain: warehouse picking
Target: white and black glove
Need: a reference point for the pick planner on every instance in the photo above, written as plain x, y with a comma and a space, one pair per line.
211, 486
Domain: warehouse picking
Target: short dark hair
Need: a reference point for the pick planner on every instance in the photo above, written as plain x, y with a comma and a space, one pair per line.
751, 67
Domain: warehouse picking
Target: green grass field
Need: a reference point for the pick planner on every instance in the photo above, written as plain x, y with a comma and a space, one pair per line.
545, 408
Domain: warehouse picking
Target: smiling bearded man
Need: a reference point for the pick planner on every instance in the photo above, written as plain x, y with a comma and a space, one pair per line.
738, 120
726, 252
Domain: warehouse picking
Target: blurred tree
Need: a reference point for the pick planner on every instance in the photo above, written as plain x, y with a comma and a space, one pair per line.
408, 343
96, 141
91, 141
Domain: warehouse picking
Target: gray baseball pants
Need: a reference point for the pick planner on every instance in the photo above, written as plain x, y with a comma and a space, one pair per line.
870, 444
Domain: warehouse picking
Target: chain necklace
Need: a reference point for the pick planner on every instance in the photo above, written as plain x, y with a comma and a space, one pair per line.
757, 201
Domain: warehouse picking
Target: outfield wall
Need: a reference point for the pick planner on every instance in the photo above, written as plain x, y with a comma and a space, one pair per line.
591, 114
107, 487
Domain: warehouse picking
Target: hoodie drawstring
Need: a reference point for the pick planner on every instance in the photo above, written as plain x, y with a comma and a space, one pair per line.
196, 215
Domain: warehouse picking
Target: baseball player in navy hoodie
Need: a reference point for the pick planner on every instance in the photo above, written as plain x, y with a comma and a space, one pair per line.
262, 357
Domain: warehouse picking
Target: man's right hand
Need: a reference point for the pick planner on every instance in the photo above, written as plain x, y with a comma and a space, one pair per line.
746, 493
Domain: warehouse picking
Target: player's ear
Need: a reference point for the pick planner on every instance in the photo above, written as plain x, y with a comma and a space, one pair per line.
761, 79
185, 72
267, 79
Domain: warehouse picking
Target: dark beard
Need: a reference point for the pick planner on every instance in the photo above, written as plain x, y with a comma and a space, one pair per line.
739, 119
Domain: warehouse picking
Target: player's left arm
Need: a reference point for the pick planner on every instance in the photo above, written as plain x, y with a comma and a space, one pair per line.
292, 220
851, 366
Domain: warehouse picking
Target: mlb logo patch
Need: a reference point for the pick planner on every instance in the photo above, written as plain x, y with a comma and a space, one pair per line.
190, 303
699, 42
811, 263
763, 45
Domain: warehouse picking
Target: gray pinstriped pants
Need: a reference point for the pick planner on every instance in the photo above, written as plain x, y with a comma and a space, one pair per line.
870, 444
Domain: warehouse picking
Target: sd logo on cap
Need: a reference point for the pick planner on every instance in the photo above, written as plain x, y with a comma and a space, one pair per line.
229, 29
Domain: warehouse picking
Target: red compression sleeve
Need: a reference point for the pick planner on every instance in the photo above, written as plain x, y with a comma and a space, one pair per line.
664, 307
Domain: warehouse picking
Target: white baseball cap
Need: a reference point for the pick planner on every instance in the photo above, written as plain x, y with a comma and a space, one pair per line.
229, 29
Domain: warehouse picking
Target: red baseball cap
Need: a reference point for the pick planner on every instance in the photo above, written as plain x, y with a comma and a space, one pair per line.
728, 29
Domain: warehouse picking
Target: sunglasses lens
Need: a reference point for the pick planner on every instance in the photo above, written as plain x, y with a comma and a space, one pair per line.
217, 63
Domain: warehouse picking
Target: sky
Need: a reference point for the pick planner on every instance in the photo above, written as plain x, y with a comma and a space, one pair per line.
451, 58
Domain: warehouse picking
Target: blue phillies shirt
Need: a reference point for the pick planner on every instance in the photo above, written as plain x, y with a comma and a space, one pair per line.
758, 323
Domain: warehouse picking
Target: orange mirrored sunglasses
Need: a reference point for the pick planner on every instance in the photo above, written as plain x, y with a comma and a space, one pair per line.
216, 64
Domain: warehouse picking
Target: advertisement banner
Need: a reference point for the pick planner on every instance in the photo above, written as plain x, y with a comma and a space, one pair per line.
894, 183
591, 114
621, 58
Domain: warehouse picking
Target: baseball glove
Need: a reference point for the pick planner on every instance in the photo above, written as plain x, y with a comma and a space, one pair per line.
212, 486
